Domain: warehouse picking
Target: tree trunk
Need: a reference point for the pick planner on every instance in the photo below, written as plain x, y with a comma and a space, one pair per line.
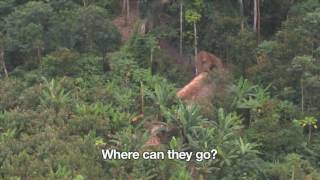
126, 10
302, 96
84, 3
3, 63
123, 7
39, 57
142, 97
255, 13
151, 61
195, 45
241, 15
256, 21
310, 129
292, 174
181, 27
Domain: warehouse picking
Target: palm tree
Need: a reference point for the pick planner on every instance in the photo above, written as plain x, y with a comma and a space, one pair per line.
309, 122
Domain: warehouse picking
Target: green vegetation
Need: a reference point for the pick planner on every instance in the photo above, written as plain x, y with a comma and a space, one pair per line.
69, 87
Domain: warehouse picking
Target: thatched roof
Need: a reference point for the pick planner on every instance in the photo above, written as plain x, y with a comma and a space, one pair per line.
197, 88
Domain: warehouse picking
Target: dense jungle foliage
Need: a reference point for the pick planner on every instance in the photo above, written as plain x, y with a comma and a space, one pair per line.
70, 86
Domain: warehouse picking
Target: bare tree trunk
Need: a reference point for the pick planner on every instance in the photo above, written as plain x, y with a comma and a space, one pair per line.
123, 6
181, 27
39, 57
302, 96
195, 45
242, 15
310, 129
84, 3
256, 21
292, 174
128, 9
255, 15
142, 97
124, 10
151, 61
3, 62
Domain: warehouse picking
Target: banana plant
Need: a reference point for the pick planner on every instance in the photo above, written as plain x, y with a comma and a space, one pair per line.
5, 136
241, 89
182, 173
61, 173
246, 147
189, 121
54, 95
161, 96
227, 127
249, 96
93, 109
205, 142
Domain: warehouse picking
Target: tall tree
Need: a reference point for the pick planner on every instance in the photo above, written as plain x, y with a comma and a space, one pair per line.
26, 29
256, 20
241, 15
181, 27
193, 16
305, 69
92, 31
2, 51
126, 9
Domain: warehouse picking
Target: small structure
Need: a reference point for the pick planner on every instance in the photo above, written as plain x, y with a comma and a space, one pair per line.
198, 88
